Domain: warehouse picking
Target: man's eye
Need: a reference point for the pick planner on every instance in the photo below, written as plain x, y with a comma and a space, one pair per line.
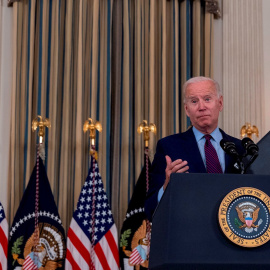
194, 101
207, 99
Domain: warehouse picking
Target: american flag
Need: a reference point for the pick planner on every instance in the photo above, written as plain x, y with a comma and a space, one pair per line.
3, 239
92, 236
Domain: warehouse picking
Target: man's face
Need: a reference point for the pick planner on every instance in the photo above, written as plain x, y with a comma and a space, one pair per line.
202, 105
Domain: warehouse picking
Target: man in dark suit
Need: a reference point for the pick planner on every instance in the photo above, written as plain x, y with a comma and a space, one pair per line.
185, 152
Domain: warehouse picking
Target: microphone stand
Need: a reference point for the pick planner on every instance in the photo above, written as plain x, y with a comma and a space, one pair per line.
251, 160
251, 149
239, 165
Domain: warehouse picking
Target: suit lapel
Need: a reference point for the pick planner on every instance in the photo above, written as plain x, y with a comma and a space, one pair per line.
193, 151
229, 161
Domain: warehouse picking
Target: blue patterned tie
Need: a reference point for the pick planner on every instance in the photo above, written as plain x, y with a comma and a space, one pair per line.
212, 161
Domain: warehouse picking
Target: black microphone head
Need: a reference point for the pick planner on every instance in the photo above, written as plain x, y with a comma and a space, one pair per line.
251, 148
229, 148
222, 144
246, 141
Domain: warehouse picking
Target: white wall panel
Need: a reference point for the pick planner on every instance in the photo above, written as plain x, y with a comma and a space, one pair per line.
243, 77
5, 95
266, 61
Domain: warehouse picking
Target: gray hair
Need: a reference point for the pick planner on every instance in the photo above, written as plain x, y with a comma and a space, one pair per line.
201, 79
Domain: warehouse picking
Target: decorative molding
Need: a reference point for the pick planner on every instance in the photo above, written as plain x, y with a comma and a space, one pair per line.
213, 8
10, 2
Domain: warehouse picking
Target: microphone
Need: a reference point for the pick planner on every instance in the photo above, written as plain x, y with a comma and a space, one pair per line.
229, 148
251, 148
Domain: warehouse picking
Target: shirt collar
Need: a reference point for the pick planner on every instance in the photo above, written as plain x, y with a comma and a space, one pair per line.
216, 134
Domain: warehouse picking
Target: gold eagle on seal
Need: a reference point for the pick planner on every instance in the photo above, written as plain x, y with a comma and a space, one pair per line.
50, 251
138, 238
248, 217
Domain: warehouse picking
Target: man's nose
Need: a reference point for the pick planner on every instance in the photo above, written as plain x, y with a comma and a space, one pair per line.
201, 105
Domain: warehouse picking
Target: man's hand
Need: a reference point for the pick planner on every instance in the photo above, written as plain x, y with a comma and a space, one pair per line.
178, 166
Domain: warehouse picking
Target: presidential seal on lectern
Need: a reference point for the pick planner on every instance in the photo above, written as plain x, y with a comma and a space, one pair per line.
244, 217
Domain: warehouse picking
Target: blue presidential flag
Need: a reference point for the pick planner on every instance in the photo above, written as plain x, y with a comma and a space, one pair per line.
136, 229
44, 248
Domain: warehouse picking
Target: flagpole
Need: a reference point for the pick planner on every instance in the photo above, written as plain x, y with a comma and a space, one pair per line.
92, 127
38, 123
145, 129
92, 240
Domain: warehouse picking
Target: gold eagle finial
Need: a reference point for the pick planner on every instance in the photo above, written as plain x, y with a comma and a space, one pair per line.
92, 127
145, 129
40, 123
248, 130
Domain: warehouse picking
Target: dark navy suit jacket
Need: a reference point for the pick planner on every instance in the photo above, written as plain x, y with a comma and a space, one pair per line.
181, 146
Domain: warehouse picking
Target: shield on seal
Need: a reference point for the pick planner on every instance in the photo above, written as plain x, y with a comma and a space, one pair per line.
248, 221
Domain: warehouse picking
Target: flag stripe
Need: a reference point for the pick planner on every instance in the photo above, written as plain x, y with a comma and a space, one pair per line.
113, 246
73, 265
101, 257
108, 253
74, 250
80, 234
4, 226
79, 246
75, 254
3, 241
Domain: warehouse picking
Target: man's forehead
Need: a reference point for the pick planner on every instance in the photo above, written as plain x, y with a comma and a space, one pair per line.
201, 89
201, 85
204, 94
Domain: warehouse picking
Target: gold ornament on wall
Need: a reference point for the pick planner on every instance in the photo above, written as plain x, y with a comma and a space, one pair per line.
248, 130
145, 129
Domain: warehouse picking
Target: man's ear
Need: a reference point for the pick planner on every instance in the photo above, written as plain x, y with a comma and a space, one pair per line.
186, 109
220, 103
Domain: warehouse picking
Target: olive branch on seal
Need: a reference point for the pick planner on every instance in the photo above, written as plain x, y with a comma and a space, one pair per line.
123, 241
237, 223
15, 250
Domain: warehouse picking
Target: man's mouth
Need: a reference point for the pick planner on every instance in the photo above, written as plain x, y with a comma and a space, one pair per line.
202, 116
